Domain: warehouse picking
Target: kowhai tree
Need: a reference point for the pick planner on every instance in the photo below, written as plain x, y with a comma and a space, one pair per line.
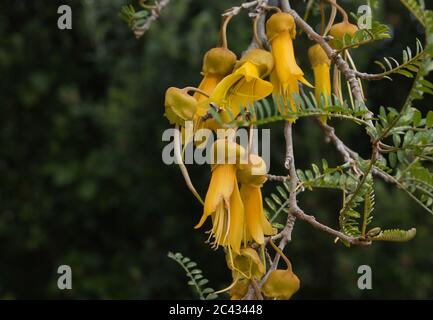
265, 84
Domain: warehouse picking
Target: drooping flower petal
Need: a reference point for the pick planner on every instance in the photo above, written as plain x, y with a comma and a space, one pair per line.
221, 92
220, 189
208, 85
322, 76
281, 31
322, 81
252, 176
257, 223
285, 61
236, 233
245, 85
217, 63
284, 93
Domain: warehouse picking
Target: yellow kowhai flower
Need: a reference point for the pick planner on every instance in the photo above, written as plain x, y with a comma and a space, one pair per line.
179, 106
281, 31
338, 32
322, 77
245, 85
217, 63
223, 202
252, 176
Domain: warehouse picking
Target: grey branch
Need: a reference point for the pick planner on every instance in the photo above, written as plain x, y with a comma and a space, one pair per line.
329, 132
286, 233
312, 220
351, 156
369, 76
156, 11
257, 11
272, 177
236, 10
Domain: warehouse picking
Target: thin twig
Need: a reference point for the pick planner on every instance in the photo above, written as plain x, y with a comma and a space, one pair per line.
256, 289
272, 177
236, 10
154, 15
312, 220
183, 169
351, 156
286, 233
335, 140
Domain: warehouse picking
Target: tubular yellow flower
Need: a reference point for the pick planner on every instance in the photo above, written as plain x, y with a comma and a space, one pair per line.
245, 85
284, 92
224, 204
322, 77
217, 63
252, 176
281, 30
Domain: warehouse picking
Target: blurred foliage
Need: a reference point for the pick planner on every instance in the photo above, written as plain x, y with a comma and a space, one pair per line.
83, 183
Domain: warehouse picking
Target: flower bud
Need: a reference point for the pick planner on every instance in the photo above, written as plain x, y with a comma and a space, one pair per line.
280, 22
179, 106
254, 172
281, 284
227, 152
318, 56
340, 29
219, 61
262, 59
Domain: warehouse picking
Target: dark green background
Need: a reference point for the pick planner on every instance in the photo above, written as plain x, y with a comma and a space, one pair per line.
81, 177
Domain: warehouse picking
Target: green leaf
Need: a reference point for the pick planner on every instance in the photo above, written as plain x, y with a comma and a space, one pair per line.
429, 119
141, 14
392, 160
208, 290
405, 73
202, 282
417, 117
396, 139
196, 271
196, 279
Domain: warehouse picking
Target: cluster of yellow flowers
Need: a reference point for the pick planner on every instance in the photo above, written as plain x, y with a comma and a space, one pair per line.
234, 199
